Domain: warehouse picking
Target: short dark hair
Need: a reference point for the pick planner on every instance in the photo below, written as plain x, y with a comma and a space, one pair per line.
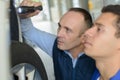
86, 14
115, 9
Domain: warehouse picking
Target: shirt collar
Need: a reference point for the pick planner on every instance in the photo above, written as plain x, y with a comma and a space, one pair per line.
68, 53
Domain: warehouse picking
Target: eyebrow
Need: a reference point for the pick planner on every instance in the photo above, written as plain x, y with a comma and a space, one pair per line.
99, 24
59, 24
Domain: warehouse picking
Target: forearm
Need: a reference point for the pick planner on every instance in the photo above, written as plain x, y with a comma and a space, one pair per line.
42, 39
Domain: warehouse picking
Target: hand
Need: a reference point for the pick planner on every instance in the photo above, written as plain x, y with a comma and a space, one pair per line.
29, 3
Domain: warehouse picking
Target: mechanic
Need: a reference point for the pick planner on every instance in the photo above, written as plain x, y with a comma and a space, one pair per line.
70, 62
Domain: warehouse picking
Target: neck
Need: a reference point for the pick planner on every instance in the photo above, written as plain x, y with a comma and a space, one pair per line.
108, 67
76, 51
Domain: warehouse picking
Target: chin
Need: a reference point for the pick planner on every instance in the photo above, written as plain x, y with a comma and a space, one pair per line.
93, 56
88, 53
60, 47
63, 47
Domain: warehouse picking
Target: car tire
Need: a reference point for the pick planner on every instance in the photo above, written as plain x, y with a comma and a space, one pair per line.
23, 53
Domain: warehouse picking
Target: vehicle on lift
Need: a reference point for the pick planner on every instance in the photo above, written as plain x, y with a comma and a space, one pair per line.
26, 62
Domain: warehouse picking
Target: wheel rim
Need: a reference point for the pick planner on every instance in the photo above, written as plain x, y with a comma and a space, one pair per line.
25, 71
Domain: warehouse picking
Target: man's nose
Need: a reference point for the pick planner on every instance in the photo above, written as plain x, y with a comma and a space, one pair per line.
87, 35
89, 32
60, 33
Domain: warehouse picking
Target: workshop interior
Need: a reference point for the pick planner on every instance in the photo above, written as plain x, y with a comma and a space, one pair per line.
20, 61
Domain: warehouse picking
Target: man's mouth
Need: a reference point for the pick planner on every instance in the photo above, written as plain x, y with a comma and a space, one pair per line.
87, 44
59, 42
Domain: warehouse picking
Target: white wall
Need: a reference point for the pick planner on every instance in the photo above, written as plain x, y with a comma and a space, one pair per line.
4, 40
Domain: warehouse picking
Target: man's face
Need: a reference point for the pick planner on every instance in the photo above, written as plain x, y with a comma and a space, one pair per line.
100, 39
71, 27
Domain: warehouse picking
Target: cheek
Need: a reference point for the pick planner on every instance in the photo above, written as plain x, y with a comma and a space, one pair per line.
104, 46
77, 42
96, 48
73, 41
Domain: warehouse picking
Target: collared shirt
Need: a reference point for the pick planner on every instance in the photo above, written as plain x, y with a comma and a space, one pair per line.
41, 39
96, 76
74, 60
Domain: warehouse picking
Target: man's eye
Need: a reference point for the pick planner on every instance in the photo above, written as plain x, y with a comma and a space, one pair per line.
67, 30
98, 29
59, 28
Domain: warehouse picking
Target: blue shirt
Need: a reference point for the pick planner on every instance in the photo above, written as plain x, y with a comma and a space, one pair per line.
97, 75
40, 38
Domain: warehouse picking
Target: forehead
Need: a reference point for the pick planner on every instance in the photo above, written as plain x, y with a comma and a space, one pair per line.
72, 15
107, 22
106, 18
72, 18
